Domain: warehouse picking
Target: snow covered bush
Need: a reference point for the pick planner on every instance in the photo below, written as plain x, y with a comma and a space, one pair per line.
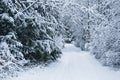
28, 32
111, 58
106, 35
106, 46
11, 57
12, 45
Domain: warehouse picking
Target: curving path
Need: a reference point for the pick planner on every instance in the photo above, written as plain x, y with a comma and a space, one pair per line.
73, 65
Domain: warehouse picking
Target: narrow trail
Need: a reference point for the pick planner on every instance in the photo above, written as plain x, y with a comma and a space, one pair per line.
73, 65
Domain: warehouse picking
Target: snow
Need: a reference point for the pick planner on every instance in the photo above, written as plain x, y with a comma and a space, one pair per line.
4, 51
73, 65
5, 16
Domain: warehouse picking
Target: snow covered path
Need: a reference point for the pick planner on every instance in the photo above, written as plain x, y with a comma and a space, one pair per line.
73, 65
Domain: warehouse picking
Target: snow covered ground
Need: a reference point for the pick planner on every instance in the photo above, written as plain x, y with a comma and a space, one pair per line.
73, 65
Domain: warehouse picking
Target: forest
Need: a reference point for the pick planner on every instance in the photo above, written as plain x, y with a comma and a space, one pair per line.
36, 32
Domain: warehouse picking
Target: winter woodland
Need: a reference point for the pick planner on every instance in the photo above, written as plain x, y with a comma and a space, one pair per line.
43, 32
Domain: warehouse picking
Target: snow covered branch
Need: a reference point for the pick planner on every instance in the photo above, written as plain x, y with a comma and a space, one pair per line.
30, 6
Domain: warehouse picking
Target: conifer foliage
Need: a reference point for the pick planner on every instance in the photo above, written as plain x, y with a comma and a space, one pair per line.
28, 30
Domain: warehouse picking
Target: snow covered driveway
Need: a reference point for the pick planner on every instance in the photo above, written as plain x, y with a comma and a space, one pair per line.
73, 65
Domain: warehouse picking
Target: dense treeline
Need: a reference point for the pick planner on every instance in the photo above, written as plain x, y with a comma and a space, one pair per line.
94, 25
29, 32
